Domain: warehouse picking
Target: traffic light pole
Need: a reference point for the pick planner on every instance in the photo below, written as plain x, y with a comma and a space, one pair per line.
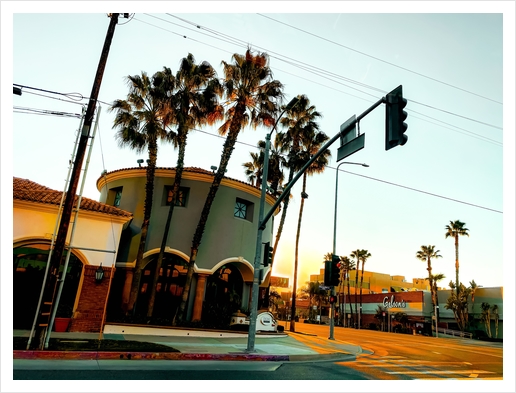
349, 125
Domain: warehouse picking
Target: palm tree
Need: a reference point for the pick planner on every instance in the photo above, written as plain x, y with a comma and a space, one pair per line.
311, 289
312, 142
364, 257
426, 254
252, 97
356, 256
494, 309
191, 101
486, 317
254, 169
140, 125
455, 229
347, 266
297, 120
436, 278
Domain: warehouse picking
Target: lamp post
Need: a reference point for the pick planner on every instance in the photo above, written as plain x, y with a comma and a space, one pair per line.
436, 327
332, 313
256, 276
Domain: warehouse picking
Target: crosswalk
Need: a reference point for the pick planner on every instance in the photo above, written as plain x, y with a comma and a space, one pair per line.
404, 368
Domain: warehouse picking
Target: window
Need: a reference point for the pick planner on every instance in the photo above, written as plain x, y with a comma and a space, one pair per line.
181, 196
114, 196
243, 209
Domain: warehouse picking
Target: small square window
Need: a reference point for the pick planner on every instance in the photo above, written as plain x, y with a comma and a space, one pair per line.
243, 209
181, 196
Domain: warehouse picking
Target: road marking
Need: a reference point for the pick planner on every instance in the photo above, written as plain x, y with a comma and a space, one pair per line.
441, 372
438, 353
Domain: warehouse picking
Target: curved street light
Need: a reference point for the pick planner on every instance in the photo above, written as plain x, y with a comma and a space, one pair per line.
332, 316
256, 276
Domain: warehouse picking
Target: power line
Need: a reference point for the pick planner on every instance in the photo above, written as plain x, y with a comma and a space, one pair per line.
379, 180
322, 72
381, 60
421, 191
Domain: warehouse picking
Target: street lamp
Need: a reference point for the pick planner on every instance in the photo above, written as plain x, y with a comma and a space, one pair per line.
256, 276
332, 314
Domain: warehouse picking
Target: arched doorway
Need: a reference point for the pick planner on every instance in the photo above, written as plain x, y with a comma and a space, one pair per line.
29, 264
223, 296
169, 288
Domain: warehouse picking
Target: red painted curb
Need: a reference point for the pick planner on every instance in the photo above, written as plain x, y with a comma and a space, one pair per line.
101, 355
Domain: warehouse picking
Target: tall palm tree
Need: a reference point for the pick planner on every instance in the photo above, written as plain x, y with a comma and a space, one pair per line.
303, 116
356, 257
436, 278
140, 126
426, 254
312, 142
455, 229
252, 96
191, 101
364, 257
348, 266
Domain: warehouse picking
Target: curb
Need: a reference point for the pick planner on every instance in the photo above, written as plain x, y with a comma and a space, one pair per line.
94, 355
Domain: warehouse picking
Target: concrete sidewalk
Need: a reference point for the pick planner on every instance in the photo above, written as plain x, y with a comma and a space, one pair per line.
195, 344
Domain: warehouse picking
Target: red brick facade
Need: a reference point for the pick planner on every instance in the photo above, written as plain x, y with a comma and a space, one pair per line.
93, 297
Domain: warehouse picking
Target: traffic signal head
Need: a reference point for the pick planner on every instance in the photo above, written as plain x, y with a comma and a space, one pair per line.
333, 299
332, 271
395, 117
267, 254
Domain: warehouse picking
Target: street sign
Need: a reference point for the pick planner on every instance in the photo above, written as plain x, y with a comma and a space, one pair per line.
349, 142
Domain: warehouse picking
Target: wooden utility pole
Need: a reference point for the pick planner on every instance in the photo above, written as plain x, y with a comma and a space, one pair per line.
47, 300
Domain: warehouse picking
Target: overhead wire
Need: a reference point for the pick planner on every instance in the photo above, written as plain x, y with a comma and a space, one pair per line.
381, 60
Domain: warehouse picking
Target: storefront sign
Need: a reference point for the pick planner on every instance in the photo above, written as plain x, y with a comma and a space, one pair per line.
393, 303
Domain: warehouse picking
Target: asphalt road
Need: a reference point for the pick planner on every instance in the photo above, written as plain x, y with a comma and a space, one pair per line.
386, 356
402, 356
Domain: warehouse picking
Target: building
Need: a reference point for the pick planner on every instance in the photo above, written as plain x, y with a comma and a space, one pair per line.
107, 234
95, 243
385, 296
223, 271
374, 282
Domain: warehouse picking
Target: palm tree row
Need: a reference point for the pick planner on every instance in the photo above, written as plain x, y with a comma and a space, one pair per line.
427, 253
186, 100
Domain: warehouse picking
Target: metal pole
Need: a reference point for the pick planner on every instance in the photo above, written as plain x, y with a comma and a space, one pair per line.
436, 328
258, 250
332, 313
72, 235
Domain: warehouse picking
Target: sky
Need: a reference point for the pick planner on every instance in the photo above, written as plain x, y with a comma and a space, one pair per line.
455, 62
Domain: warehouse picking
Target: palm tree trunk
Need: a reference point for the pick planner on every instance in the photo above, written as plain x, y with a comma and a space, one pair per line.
356, 289
457, 263
349, 301
147, 209
361, 283
175, 189
296, 258
229, 145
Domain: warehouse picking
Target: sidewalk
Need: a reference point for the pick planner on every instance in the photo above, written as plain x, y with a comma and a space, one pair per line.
197, 344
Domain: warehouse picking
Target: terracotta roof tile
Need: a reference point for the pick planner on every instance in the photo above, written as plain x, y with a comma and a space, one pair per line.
27, 190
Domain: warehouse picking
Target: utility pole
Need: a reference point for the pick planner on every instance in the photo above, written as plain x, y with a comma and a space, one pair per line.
50, 282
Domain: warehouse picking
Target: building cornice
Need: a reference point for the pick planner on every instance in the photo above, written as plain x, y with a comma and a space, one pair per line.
195, 174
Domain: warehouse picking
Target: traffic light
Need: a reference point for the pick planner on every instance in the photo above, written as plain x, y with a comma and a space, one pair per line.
267, 254
332, 271
395, 116
333, 299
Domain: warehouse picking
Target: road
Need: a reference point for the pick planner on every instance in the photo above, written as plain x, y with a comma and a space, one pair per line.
402, 356
386, 356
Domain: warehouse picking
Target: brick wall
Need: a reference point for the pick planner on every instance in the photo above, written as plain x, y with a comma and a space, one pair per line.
89, 312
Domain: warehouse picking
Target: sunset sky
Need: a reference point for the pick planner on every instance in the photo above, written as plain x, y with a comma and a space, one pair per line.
455, 61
